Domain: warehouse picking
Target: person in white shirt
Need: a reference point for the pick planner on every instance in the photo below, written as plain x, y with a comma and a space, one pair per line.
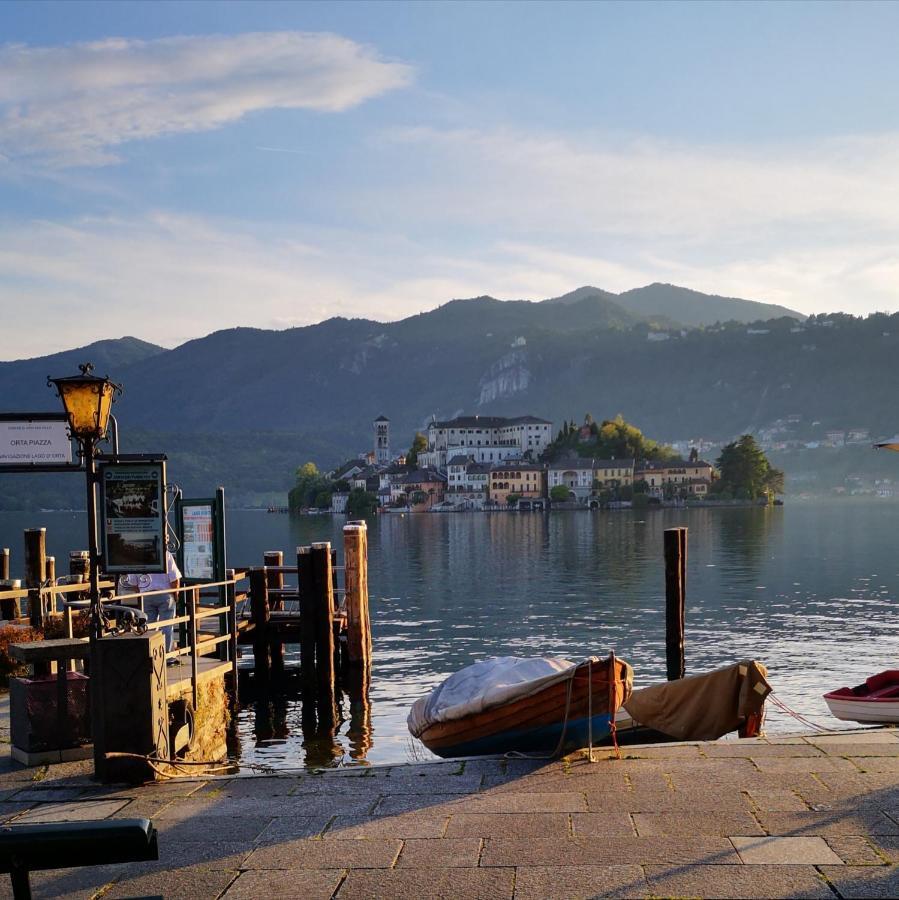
158, 607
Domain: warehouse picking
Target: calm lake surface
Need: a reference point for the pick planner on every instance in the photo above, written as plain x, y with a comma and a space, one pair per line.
809, 589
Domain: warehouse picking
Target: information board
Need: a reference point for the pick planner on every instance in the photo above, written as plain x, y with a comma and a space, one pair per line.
38, 441
201, 530
132, 503
197, 541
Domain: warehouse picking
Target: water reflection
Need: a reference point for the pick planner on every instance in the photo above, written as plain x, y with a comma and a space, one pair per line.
807, 588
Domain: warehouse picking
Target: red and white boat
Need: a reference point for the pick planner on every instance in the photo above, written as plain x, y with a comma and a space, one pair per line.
877, 700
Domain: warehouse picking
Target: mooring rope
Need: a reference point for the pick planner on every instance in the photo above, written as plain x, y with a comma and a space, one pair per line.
798, 716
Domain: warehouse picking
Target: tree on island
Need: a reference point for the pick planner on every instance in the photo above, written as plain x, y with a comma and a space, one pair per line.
309, 484
613, 439
746, 473
361, 504
419, 443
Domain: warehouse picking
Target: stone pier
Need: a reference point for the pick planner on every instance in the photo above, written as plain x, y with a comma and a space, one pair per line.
802, 816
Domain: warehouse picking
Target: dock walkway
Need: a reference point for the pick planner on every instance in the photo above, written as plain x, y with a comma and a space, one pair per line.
804, 816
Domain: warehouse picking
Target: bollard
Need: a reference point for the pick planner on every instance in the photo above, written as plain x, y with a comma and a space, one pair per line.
323, 600
675, 599
307, 619
356, 583
35, 569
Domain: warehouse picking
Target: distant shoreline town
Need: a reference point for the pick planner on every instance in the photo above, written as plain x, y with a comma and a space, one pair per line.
491, 463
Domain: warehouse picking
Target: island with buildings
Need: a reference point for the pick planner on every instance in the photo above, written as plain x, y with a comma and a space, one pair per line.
490, 463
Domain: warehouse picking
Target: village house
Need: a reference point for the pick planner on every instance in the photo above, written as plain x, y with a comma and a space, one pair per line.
527, 480
693, 477
583, 477
420, 489
467, 482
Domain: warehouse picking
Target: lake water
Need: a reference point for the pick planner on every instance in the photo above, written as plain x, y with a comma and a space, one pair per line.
809, 589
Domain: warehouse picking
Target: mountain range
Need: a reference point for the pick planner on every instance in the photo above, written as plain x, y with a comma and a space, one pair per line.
244, 407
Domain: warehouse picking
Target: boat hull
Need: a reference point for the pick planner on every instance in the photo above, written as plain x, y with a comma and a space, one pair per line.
538, 724
876, 701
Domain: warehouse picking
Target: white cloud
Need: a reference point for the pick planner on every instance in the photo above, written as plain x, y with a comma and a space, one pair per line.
73, 105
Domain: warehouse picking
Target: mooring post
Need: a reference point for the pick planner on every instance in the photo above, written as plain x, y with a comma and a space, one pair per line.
9, 609
50, 577
307, 618
275, 582
356, 584
323, 598
261, 613
675, 599
231, 594
35, 568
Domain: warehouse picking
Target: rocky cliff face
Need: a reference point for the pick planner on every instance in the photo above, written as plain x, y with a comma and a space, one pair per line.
507, 377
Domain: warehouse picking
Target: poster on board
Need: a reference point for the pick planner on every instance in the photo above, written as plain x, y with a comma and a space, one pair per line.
132, 503
198, 541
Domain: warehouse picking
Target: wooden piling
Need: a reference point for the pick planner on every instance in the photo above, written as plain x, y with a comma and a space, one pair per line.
323, 599
307, 619
35, 569
193, 601
231, 593
355, 555
675, 600
275, 582
50, 578
261, 614
9, 609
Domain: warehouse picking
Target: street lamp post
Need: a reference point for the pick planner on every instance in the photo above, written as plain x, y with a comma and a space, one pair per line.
88, 400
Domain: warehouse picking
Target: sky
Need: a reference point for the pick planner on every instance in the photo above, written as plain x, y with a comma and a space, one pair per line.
171, 169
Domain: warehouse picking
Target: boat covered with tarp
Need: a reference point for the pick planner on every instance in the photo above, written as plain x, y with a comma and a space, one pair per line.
698, 708
543, 705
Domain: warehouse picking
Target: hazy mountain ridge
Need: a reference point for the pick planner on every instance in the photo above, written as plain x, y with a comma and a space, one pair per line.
244, 406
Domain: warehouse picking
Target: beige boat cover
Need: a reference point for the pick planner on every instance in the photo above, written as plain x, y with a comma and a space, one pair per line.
703, 707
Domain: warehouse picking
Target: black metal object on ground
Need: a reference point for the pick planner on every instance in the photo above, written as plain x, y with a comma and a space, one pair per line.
30, 848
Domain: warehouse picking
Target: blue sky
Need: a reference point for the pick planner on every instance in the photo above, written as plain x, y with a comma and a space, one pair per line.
181, 167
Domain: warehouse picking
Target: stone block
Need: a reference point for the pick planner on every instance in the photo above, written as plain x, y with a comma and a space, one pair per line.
435, 884
579, 882
75, 811
864, 881
803, 851
837, 821
285, 884
314, 854
722, 822
509, 825
440, 853
407, 825
736, 882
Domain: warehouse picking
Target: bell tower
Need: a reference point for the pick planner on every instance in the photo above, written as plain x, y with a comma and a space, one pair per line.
382, 440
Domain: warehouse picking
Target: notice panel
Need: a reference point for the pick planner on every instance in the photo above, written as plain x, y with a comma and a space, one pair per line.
198, 541
133, 508
34, 442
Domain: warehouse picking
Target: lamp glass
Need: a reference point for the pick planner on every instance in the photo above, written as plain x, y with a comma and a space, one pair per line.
88, 404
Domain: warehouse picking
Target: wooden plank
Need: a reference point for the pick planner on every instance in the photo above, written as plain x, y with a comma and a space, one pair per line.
56, 650
675, 600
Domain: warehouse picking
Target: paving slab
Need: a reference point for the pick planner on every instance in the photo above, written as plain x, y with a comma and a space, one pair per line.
510, 825
440, 853
811, 851
854, 849
862, 820
864, 881
75, 811
736, 882
281, 884
605, 851
307, 853
407, 825
435, 884
187, 882
723, 822
579, 882
867, 736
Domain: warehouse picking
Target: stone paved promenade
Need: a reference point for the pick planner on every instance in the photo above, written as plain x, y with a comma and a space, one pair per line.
814, 816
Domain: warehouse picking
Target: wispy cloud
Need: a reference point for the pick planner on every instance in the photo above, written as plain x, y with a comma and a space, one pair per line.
73, 105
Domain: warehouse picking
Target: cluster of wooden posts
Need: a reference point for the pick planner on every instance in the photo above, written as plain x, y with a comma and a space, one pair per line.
334, 636
42, 588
